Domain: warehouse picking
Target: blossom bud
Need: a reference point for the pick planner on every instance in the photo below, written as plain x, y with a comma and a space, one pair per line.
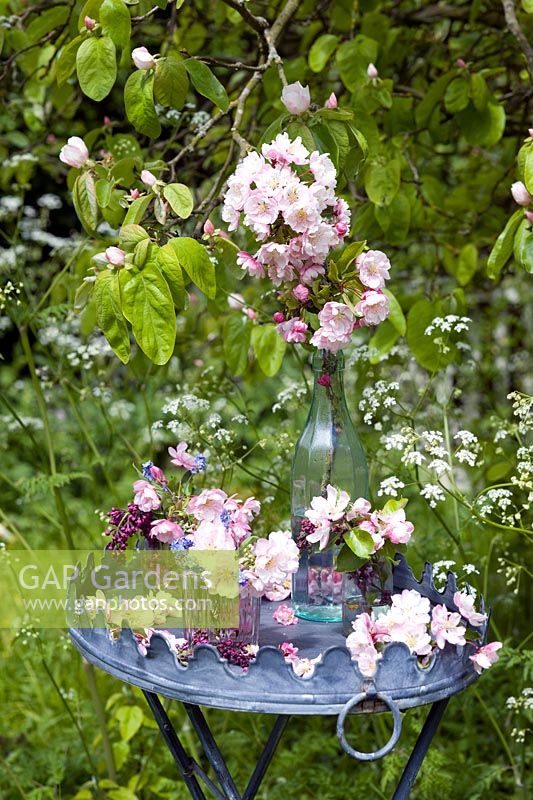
371, 71
74, 152
107, 120
301, 293
250, 313
142, 58
529, 216
530, 132
278, 317
198, 362
331, 102
115, 256
209, 228
148, 178
341, 228
460, 63
296, 98
89, 23
135, 194
520, 194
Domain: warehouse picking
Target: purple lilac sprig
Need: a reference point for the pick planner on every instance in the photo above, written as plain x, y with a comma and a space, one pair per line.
125, 524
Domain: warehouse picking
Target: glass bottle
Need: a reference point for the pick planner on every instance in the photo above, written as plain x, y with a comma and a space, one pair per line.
328, 452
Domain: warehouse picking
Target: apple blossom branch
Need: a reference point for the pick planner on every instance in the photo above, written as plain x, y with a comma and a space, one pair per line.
514, 28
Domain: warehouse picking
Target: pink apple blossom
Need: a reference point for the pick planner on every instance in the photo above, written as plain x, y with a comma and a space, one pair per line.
446, 627
252, 266
324, 511
180, 458
301, 293
461, 63
276, 557
305, 667
167, 531
521, 194
395, 526
142, 58
278, 317
134, 194
143, 640
373, 267
409, 604
74, 152
296, 98
289, 650
282, 150
89, 23
337, 323
360, 508
465, 606
115, 256
284, 615
529, 216
373, 306
341, 228
148, 178
212, 535
145, 497
208, 505
209, 228
371, 71
278, 591
331, 102
158, 475
293, 330
486, 656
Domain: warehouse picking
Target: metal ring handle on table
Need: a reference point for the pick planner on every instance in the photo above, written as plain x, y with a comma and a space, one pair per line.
358, 698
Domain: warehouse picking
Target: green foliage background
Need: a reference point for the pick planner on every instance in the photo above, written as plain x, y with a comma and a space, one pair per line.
426, 157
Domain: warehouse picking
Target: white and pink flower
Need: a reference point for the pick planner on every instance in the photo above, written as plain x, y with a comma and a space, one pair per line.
284, 615
208, 505
373, 267
167, 531
373, 307
296, 98
465, 606
293, 330
145, 496
74, 152
142, 58
486, 656
336, 326
446, 627
180, 457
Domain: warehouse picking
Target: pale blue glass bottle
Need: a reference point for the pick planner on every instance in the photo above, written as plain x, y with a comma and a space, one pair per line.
328, 452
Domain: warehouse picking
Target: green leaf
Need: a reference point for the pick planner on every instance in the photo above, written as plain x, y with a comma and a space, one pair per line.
382, 341
396, 316
116, 22
269, 348
237, 333
139, 102
130, 236
141, 252
171, 83
168, 263
226, 253
348, 256
130, 720
96, 67
148, 302
503, 247
394, 505
426, 352
322, 50
103, 192
121, 793
360, 542
457, 95
482, 127
528, 169
137, 209
466, 269
347, 561
433, 96
479, 91
109, 314
46, 21
353, 59
523, 246
527, 5
382, 181
84, 199
180, 199
66, 61
206, 83
194, 259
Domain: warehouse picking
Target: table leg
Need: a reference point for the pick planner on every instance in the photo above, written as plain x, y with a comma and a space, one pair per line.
266, 757
185, 763
403, 790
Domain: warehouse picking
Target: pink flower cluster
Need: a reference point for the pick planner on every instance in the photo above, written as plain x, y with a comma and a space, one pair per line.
223, 522
274, 560
411, 620
332, 512
293, 211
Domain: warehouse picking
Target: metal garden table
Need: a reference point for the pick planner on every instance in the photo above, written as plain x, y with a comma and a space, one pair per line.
270, 686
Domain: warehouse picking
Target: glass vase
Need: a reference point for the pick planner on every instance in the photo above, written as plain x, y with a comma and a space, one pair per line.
247, 631
328, 452
368, 589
